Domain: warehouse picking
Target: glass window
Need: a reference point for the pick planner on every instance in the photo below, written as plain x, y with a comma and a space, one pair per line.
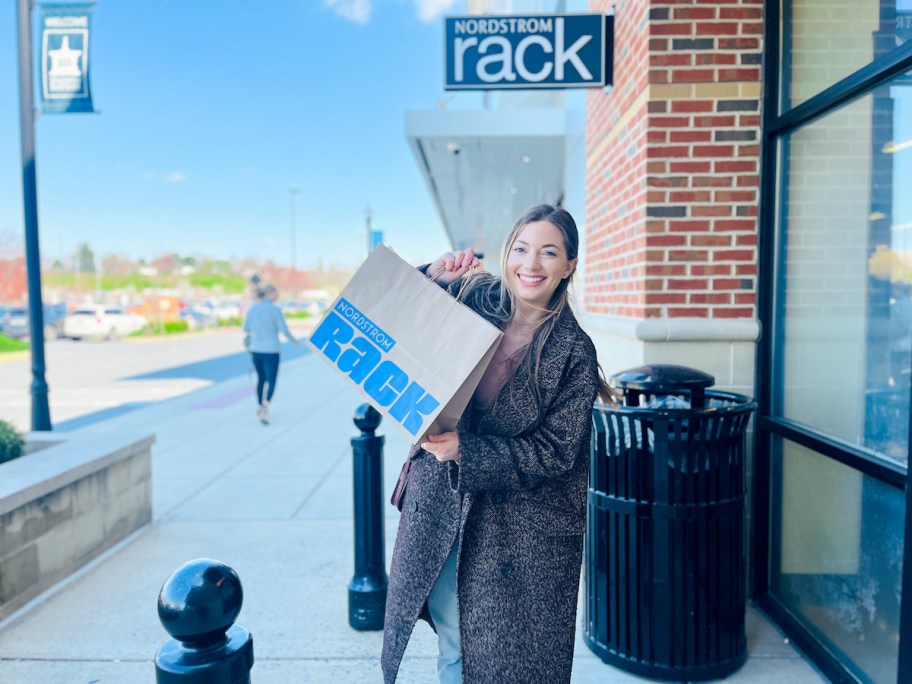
829, 39
847, 259
837, 557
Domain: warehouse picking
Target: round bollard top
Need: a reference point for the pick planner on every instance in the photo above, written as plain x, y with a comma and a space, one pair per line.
367, 418
200, 601
662, 378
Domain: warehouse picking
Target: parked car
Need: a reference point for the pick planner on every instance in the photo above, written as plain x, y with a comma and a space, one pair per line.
197, 319
222, 311
106, 322
14, 321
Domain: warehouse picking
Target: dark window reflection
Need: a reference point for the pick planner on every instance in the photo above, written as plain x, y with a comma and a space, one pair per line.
890, 272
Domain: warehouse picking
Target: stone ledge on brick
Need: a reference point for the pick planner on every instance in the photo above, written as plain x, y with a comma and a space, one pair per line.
674, 329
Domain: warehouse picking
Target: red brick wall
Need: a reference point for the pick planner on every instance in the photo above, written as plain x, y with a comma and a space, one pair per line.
672, 200
616, 173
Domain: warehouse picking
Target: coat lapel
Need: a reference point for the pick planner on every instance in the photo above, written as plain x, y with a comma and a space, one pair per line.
515, 410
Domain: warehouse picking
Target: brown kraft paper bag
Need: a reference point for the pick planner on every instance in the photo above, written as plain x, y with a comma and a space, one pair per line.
413, 351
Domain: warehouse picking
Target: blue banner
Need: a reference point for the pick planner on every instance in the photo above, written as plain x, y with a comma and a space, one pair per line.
525, 52
65, 31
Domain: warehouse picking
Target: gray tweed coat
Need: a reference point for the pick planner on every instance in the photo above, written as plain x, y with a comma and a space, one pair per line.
518, 504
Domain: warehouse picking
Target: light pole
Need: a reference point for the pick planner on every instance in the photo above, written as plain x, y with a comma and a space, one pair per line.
41, 415
292, 193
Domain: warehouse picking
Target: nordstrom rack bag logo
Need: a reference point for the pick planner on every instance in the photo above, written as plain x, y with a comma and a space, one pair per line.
540, 51
358, 348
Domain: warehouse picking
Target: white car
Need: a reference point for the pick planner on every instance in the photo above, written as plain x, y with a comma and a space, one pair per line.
106, 322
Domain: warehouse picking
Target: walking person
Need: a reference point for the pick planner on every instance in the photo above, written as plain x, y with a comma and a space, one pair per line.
262, 325
490, 541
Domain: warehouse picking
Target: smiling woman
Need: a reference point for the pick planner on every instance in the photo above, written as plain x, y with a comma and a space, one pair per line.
536, 265
489, 546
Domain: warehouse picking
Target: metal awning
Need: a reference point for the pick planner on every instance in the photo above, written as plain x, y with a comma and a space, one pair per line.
485, 167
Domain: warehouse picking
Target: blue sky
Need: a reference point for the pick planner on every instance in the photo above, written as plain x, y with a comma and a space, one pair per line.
209, 111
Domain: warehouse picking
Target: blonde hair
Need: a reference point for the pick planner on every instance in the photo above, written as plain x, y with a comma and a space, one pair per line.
502, 307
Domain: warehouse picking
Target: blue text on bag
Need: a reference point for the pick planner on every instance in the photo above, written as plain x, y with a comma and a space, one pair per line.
357, 346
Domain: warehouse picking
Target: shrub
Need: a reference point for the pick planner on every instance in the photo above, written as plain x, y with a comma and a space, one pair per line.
232, 322
8, 344
176, 326
11, 442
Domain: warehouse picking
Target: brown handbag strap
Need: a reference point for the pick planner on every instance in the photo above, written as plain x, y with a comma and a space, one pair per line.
402, 482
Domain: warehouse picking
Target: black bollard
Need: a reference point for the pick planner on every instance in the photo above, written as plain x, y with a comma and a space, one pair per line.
198, 605
367, 589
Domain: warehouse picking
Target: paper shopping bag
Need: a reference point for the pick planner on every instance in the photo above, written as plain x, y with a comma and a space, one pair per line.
413, 351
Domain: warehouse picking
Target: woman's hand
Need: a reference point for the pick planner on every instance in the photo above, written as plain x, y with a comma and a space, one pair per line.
451, 266
443, 447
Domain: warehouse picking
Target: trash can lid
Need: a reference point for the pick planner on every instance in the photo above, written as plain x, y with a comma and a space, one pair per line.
661, 377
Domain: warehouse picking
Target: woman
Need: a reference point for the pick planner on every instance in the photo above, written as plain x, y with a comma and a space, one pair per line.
263, 324
490, 541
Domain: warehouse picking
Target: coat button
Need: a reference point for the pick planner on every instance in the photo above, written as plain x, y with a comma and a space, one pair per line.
414, 506
497, 498
506, 569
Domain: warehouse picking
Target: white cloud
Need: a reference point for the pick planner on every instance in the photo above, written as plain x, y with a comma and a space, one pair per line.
429, 10
175, 177
358, 11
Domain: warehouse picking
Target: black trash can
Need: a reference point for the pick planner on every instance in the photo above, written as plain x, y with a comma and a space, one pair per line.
665, 566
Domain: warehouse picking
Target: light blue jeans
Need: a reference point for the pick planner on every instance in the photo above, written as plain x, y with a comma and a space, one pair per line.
443, 605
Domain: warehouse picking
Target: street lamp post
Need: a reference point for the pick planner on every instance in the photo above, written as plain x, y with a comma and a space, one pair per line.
41, 415
292, 193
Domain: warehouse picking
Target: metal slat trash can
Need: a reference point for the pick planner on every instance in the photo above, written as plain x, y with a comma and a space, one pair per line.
665, 566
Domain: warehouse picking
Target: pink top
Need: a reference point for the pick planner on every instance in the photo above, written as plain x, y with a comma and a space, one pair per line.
505, 362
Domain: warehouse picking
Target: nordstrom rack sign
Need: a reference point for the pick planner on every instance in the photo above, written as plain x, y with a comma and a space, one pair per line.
527, 52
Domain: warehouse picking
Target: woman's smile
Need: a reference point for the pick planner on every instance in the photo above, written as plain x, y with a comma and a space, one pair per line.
537, 262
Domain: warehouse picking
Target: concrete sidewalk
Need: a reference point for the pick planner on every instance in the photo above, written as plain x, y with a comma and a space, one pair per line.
275, 503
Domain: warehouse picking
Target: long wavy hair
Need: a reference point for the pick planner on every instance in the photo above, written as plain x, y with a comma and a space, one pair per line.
498, 297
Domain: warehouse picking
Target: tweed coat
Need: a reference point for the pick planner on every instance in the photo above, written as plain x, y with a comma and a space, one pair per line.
517, 502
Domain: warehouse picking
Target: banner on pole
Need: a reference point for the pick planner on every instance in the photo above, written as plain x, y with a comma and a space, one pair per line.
65, 30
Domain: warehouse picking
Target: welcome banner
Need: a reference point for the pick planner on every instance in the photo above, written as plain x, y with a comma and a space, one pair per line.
65, 32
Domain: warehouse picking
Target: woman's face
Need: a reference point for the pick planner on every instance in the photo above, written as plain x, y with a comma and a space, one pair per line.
537, 262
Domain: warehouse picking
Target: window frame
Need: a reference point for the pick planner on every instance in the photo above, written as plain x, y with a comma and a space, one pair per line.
774, 154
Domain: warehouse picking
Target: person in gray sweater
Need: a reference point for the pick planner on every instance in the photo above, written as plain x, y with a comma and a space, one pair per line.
490, 541
262, 325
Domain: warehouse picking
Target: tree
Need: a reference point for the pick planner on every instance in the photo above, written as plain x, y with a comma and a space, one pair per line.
85, 258
117, 264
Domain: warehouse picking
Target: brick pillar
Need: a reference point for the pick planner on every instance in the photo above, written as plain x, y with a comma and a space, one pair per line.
672, 188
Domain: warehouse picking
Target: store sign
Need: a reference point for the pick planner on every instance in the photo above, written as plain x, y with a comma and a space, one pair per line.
903, 26
65, 57
528, 52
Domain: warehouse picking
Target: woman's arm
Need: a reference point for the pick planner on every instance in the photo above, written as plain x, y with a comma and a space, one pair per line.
283, 325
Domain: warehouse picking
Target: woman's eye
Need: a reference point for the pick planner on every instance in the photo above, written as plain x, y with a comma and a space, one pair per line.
518, 250
549, 254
